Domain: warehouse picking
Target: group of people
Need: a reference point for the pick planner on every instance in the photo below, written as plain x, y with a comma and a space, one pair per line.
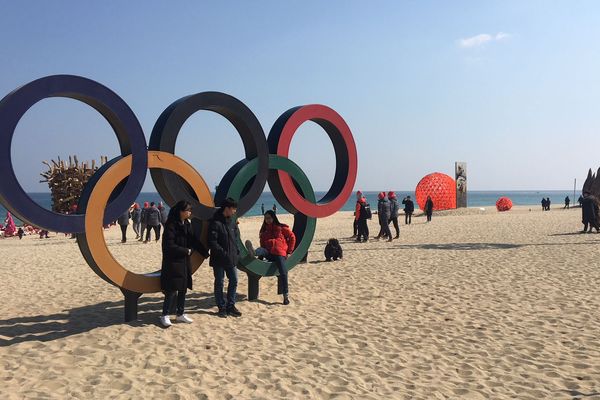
277, 242
546, 204
144, 220
388, 210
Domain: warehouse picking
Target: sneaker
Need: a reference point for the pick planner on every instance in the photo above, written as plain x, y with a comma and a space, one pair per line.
184, 318
286, 300
250, 248
234, 312
222, 313
165, 321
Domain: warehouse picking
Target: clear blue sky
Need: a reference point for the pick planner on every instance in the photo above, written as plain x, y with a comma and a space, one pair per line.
511, 87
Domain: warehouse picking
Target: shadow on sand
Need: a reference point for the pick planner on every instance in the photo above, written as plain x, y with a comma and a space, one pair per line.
78, 320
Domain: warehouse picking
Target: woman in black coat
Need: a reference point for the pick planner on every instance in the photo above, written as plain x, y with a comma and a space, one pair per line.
178, 243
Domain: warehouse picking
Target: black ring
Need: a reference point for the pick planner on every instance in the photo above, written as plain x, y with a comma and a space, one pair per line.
164, 136
118, 114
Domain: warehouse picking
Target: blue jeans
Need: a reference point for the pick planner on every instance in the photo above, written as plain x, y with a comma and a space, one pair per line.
232, 277
279, 262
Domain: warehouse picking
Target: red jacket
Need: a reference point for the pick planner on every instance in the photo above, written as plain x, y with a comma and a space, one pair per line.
278, 240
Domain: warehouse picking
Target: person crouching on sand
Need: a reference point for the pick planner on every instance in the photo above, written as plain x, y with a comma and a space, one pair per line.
277, 241
178, 243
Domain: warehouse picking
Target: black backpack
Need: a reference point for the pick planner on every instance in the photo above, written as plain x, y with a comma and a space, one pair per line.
365, 211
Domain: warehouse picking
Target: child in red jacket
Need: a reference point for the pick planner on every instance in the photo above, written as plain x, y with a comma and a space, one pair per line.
277, 241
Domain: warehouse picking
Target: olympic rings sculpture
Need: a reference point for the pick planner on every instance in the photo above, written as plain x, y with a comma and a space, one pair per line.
115, 186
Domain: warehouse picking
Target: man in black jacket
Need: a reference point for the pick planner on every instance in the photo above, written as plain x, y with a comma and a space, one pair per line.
409, 209
152, 222
223, 234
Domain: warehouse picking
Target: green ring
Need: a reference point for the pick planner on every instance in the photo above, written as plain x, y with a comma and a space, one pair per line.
249, 171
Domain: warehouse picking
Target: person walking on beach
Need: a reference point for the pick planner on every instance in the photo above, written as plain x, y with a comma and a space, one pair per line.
178, 243
409, 209
590, 213
548, 204
580, 200
429, 208
356, 211
543, 204
20, 233
152, 222
275, 208
262, 209
361, 215
136, 219
567, 202
277, 242
164, 214
384, 213
123, 222
143, 219
394, 210
223, 234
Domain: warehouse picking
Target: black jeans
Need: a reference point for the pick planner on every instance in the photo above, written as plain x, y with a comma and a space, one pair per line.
428, 217
363, 230
169, 299
142, 230
407, 218
220, 273
156, 232
396, 227
384, 229
355, 226
123, 233
282, 268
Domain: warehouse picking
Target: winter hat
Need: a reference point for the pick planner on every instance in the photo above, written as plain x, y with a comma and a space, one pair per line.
381, 195
146, 204
391, 195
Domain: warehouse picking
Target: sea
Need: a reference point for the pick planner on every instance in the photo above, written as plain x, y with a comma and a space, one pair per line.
474, 199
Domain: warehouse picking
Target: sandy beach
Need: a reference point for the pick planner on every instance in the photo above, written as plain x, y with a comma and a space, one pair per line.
475, 305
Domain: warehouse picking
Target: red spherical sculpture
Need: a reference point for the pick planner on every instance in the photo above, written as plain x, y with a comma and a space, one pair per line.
503, 204
440, 187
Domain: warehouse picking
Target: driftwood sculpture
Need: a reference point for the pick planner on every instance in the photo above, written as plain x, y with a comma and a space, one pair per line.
591, 186
66, 180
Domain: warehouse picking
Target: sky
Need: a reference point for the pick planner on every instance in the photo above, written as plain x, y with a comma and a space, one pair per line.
510, 87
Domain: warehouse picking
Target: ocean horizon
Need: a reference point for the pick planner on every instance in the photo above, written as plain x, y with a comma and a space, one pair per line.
479, 198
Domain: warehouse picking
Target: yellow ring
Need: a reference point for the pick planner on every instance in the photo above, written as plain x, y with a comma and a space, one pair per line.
115, 272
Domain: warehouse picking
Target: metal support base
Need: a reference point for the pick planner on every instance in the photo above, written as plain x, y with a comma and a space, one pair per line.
253, 286
131, 304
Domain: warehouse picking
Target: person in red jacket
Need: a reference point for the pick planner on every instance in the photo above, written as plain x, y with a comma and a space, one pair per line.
277, 241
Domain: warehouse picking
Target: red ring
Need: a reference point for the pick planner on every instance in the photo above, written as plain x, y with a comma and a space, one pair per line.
315, 113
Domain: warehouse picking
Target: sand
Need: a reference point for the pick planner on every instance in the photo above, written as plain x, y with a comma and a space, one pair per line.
475, 305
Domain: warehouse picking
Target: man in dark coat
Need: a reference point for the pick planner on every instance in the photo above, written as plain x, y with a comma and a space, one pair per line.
384, 213
123, 222
164, 214
136, 219
143, 219
567, 202
178, 243
152, 222
429, 208
394, 209
409, 209
590, 213
223, 234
